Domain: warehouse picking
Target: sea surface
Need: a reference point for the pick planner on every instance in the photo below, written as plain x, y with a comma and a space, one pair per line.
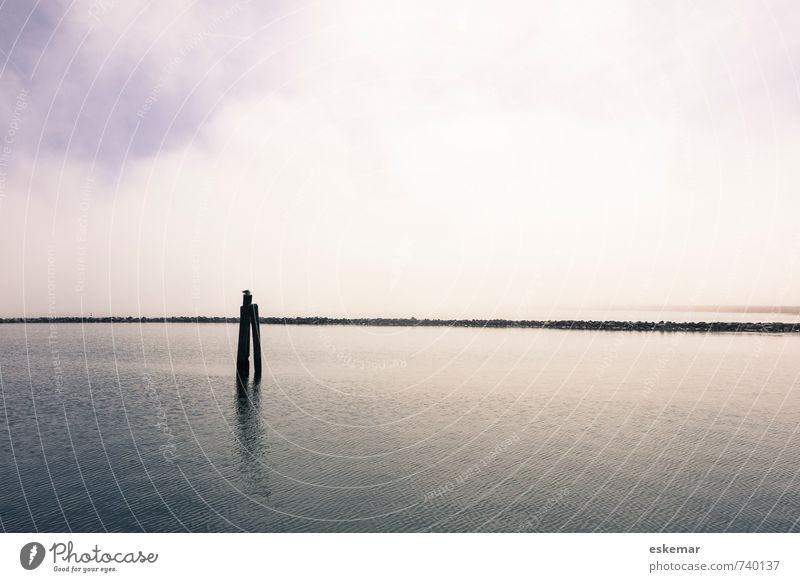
143, 427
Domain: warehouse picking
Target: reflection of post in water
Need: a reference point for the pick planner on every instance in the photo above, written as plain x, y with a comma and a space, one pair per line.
250, 437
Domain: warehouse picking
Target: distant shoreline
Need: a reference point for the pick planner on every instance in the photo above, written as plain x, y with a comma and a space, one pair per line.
660, 326
786, 309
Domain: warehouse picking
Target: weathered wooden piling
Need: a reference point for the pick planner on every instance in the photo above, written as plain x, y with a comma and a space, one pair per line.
243, 353
248, 321
256, 326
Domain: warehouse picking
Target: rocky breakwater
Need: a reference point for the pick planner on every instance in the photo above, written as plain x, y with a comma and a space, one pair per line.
586, 325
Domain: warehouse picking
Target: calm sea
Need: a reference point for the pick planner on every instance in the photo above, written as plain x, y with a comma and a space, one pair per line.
143, 428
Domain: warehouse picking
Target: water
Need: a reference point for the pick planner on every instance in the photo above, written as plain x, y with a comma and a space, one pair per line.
142, 428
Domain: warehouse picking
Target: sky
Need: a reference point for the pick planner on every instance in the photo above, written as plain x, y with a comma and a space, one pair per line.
429, 159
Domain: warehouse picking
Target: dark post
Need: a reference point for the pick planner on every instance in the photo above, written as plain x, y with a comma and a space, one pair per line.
248, 321
243, 353
256, 325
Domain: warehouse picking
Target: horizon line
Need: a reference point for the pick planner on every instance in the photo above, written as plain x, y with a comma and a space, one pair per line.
567, 324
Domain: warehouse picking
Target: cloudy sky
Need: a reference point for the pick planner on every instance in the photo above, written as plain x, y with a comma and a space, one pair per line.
435, 159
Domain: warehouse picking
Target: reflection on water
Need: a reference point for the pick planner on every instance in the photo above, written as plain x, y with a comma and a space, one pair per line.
397, 429
250, 440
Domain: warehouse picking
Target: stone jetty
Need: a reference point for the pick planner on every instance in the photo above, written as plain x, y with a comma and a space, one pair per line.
585, 325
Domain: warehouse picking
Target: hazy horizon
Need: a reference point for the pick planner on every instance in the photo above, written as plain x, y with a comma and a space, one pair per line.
535, 312
363, 159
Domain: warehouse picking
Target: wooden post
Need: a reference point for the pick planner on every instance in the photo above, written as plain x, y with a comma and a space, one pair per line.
256, 326
248, 322
243, 352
